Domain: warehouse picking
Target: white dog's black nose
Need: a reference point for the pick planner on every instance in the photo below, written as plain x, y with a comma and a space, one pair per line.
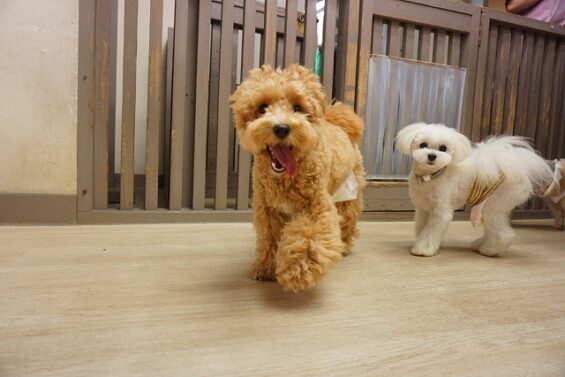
431, 156
281, 130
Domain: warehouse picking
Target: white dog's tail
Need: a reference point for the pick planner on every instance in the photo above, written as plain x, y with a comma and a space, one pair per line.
514, 157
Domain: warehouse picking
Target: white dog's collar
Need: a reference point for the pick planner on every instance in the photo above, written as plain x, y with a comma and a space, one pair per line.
429, 177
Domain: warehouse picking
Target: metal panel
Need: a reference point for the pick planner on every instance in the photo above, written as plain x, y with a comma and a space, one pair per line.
401, 92
128, 105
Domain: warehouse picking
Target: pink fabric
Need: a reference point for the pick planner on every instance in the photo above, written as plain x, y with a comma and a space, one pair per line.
552, 11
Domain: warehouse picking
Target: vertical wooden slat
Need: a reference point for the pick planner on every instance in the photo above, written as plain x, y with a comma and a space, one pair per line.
535, 89
270, 33
482, 86
290, 32
503, 55
182, 122
524, 85
352, 49
454, 49
377, 46
364, 53
153, 105
328, 48
558, 123
86, 104
561, 127
468, 59
113, 181
512, 83
409, 41
166, 154
310, 35
248, 47
102, 76
489, 82
547, 80
128, 105
201, 107
222, 149
424, 44
395, 42
439, 46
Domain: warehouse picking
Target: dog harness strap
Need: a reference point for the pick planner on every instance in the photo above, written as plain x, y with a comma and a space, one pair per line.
555, 192
429, 177
479, 192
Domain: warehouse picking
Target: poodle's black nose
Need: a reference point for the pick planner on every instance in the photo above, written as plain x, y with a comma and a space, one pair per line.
431, 156
281, 130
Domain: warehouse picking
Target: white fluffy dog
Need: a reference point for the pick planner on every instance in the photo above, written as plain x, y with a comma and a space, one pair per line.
494, 177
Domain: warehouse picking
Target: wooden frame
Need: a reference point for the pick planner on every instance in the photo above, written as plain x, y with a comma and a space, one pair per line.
454, 31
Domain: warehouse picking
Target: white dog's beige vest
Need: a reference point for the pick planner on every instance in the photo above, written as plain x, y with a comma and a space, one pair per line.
479, 195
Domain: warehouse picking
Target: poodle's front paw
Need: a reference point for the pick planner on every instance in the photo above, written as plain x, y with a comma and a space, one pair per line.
297, 275
423, 251
262, 271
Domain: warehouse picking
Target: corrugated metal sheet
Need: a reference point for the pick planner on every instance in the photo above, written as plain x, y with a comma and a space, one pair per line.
404, 91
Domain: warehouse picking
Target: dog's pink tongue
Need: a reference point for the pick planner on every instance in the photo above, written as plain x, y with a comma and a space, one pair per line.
283, 154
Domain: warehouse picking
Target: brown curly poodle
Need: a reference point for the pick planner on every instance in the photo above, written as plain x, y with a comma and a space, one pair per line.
305, 151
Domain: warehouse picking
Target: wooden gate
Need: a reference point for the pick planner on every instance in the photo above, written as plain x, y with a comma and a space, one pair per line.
194, 170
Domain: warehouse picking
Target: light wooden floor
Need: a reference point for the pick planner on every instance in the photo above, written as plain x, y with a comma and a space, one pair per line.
174, 300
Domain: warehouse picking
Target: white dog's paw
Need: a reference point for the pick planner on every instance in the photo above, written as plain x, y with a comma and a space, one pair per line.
489, 251
422, 251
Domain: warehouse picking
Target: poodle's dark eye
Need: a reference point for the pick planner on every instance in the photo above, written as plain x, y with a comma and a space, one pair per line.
424, 145
262, 108
296, 108
442, 148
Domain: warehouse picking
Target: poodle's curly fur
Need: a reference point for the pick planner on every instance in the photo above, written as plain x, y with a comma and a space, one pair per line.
303, 150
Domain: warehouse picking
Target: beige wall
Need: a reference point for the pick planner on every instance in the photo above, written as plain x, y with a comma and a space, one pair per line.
38, 85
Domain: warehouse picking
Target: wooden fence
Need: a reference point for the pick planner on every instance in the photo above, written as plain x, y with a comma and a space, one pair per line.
514, 84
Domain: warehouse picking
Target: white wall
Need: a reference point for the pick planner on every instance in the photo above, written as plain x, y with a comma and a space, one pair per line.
38, 85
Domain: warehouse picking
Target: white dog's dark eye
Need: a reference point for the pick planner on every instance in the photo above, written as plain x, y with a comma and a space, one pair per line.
262, 108
296, 108
424, 145
442, 148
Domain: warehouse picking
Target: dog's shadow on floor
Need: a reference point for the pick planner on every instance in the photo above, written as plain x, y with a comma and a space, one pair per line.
274, 296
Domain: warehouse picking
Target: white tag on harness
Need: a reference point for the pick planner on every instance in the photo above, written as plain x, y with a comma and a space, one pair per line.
347, 191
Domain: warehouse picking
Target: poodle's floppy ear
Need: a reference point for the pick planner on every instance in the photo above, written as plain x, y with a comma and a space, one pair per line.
407, 135
462, 147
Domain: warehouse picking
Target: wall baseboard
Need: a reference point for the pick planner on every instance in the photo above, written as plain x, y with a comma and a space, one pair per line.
38, 209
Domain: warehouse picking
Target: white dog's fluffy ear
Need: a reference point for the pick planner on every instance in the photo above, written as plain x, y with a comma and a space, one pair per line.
462, 146
406, 136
